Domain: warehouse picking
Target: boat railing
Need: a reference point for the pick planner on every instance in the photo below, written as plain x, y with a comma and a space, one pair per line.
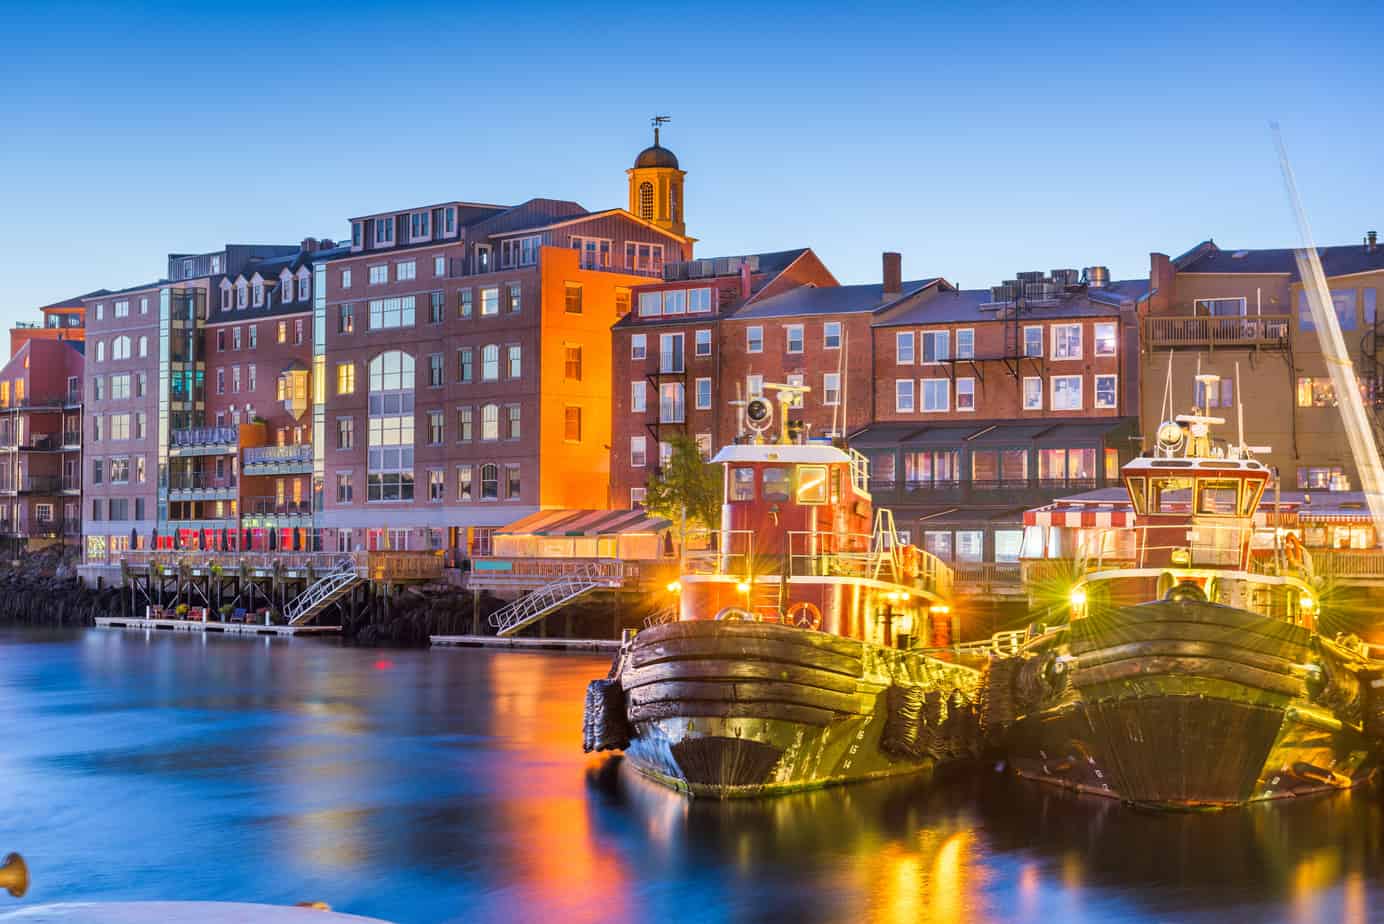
864, 555
721, 551
1198, 545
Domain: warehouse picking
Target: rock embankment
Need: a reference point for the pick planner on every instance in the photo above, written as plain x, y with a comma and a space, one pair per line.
42, 589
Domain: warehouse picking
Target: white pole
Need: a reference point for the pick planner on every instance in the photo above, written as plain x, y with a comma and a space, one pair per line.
1334, 352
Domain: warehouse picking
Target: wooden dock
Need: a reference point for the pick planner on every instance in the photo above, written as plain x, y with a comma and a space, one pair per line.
228, 628
530, 644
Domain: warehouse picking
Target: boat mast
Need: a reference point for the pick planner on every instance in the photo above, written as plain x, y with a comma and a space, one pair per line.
1338, 362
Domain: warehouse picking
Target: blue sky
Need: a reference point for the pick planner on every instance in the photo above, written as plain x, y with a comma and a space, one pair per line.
978, 140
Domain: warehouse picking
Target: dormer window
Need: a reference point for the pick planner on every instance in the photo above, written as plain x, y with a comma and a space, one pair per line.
384, 231
241, 293
520, 252
258, 294
286, 288
451, 219
304, 285
225, 295
418, 226
357, 235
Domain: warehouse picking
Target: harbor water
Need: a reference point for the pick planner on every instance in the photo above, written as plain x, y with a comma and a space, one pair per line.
449, 785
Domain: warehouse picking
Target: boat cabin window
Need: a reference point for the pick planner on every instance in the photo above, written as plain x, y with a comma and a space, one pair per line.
812, 484
1250, 498
1135, 486
776, 484
742, 484
1218, 497
1170, 495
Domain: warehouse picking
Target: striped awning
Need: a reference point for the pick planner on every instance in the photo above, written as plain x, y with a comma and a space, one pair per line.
1085, 516
1309, 517
585, 523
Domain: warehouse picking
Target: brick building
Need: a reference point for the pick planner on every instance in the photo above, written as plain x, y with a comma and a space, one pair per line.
40, 441
61, 321
668, 355
1243, 312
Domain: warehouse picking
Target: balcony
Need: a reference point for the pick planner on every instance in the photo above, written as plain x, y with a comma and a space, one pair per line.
997, 579
204, 441
278, 460
33, 484
275, 508
71, 484
72, 439
671, 364
201, 486
1206, 332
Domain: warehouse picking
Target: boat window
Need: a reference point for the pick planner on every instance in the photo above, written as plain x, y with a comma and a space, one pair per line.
812, 484
1250, 499
836, 484
776, 484
1218, 497
1135, 486
742, 484
1170, 495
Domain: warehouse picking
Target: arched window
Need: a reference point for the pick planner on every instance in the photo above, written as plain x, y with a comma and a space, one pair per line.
490, 422
646, 200
673, 202
100, 351
490, 363
390, 468
490, 481
120, 348
144, 345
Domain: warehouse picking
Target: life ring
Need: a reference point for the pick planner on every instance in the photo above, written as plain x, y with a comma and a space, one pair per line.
804, 615
734, 614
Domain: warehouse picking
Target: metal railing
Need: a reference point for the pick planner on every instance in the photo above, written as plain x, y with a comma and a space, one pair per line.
32, 484
1210, 331
272, 454
206, 436
1349, 563
534, 606
987, 577
272, 506
323, 591
200, 481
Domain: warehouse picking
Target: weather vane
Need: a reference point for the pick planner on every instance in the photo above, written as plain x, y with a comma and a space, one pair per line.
658, 121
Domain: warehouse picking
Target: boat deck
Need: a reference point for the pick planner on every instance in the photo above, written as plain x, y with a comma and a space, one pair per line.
228, 628
538, 644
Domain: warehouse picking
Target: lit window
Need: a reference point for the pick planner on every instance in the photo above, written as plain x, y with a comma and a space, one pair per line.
490, 301
1066, 393
1105, 339
966, 394
1066, 342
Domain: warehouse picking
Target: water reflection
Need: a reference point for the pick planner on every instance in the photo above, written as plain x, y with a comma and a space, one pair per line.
450, 786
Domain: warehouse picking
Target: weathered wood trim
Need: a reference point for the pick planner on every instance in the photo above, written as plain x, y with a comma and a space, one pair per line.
725, 670
752, 692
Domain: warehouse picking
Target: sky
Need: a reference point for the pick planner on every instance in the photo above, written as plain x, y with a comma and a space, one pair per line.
977, 139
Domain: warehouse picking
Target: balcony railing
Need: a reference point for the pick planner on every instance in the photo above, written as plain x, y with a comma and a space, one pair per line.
72, 438
273, 507
260, 455
987, 577
206, 436
671, 363
201, 481
1345, 564
1211, 331
33, 484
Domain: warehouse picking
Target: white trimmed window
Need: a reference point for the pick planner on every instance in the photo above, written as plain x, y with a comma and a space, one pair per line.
405, 270
698, 301
903, 347
966, 394
638, 397
1033, 341
965, 345
639, 451
650, 304
639, 346
1033, 393
490, 301
794, 334
936, 346
379, 275
637, 496
831, 388
831, 335
754, 339
1066, 341
704, 394
936, 395
675, 301
1105, 391
1105, 339
903, 396
702, 342
439, 265
754, 384
1066, 392
346, 278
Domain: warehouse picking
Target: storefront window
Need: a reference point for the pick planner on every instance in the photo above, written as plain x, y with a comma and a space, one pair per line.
1008, 543
970, 545
939, 543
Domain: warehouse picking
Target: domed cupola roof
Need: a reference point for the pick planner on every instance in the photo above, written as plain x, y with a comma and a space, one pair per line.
656, 156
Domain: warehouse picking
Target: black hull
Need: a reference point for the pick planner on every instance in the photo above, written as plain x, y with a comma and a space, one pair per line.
1189, 705
727, 709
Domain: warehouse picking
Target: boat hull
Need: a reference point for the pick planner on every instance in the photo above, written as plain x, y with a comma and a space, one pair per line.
735, 709
1189, 705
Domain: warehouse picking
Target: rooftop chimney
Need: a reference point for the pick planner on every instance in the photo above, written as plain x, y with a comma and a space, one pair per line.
309, 245
746, 279
1371, 242
893, 274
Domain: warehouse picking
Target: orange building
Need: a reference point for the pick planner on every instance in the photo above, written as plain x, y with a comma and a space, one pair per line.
64, 320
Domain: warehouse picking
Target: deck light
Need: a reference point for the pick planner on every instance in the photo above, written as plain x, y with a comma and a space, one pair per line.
939, 608
1078, 596
673, 587
743, 587
1307, 603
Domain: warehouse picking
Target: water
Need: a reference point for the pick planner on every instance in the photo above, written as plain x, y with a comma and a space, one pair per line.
428, 786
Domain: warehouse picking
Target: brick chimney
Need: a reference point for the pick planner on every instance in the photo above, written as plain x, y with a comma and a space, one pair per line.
1371, 241
309, 245
893, 274
1162, 274
746, 280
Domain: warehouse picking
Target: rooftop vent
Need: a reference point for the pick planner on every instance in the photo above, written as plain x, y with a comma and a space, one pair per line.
1097, 276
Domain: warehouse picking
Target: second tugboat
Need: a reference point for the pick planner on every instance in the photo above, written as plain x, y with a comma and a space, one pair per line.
793, 660
1191, 673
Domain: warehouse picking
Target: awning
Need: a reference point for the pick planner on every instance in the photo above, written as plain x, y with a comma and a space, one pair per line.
914, 436
1089, 516
585, 523
1309, 517
1013, 436
950, 517
1080, 435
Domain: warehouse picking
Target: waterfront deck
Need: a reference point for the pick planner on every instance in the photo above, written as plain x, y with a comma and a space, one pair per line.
532, 644
228, 628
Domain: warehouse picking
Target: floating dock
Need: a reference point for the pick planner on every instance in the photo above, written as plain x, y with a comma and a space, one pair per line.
534, 644
193, 625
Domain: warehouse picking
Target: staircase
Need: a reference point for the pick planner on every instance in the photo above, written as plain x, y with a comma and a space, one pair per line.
550, 597
323, 592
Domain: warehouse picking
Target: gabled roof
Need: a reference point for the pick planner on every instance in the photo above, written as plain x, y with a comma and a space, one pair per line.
107, 293
770, 266
535, 213
76, 300
811, 300
1344, 260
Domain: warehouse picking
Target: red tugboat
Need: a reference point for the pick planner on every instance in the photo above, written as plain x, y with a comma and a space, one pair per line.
1191, 675
793, 660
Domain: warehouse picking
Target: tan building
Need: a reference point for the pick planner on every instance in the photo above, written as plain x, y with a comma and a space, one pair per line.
1241, 314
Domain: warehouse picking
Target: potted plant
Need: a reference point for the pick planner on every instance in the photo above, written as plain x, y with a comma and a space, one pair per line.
181, 610
226, 609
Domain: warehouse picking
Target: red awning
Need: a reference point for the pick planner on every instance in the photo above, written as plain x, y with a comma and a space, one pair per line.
1080, 517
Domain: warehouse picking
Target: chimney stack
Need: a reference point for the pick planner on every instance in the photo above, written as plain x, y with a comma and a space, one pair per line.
309, 245
746, 280
1371, 242
893, 274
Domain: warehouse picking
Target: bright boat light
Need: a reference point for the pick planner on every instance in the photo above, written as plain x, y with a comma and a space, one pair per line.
673, 587
1078, 596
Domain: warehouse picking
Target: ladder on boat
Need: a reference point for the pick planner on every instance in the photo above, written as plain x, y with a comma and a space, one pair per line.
323, 592
532, 607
